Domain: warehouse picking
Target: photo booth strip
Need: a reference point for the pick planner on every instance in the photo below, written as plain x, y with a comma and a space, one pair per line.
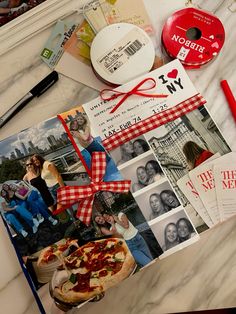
153, 122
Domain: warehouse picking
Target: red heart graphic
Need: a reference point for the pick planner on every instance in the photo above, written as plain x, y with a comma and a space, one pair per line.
172, 74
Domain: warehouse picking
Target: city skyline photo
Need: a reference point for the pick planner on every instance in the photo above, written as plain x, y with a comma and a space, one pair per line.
41, 138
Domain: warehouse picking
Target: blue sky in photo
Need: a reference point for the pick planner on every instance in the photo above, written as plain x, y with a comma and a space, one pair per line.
37, 134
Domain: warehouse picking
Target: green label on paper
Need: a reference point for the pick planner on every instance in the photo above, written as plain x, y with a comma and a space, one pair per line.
53, 48
46, 53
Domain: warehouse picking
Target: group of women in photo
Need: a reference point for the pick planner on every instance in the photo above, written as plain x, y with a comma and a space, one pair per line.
32, 202
20, 204
176, 233
44, 176
162, 203
147, 174
120, 226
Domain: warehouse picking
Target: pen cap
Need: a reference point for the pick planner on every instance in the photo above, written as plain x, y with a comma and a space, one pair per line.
43, 85
229, 97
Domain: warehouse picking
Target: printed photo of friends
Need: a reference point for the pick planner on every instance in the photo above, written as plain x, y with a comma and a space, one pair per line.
57, 153
143, 172
130, 150
174, 231
157, 201
34, 164
109, 219
52, 155
153, 191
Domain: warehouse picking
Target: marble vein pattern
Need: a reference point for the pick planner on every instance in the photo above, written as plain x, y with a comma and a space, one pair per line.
201, 276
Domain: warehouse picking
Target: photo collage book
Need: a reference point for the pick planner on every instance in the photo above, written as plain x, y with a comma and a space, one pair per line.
97, 193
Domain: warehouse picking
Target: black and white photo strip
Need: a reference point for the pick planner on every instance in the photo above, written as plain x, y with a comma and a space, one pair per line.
182, 145
130, 150
174, 231
157, 201
143, 171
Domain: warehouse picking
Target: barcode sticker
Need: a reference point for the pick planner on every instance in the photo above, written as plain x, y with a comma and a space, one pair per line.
133, 48
122, 51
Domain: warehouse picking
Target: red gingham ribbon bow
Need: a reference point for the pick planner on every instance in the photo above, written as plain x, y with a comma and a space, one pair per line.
70, 195
134, 91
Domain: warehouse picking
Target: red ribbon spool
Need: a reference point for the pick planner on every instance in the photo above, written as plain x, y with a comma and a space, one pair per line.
193, 36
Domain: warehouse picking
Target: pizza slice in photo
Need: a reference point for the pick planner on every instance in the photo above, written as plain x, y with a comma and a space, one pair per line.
92, 269
55, 251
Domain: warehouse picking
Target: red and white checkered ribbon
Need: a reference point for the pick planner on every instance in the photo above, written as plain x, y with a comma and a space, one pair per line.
70, 195
153, 122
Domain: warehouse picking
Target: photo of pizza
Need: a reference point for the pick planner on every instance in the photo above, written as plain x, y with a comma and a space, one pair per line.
55, 252
92, 269
51, 257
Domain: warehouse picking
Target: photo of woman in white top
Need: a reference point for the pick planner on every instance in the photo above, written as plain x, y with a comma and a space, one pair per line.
135, 242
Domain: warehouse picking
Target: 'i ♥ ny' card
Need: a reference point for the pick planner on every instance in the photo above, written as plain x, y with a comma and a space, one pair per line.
90, 197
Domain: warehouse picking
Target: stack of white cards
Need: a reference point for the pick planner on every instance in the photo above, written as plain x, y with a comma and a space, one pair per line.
211, 188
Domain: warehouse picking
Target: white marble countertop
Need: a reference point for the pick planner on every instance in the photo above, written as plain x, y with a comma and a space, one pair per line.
201, 276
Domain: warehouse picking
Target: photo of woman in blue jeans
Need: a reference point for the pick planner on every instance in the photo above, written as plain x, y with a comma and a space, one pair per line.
32, 200
10, 208
13, 221
135, 242
27, 203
